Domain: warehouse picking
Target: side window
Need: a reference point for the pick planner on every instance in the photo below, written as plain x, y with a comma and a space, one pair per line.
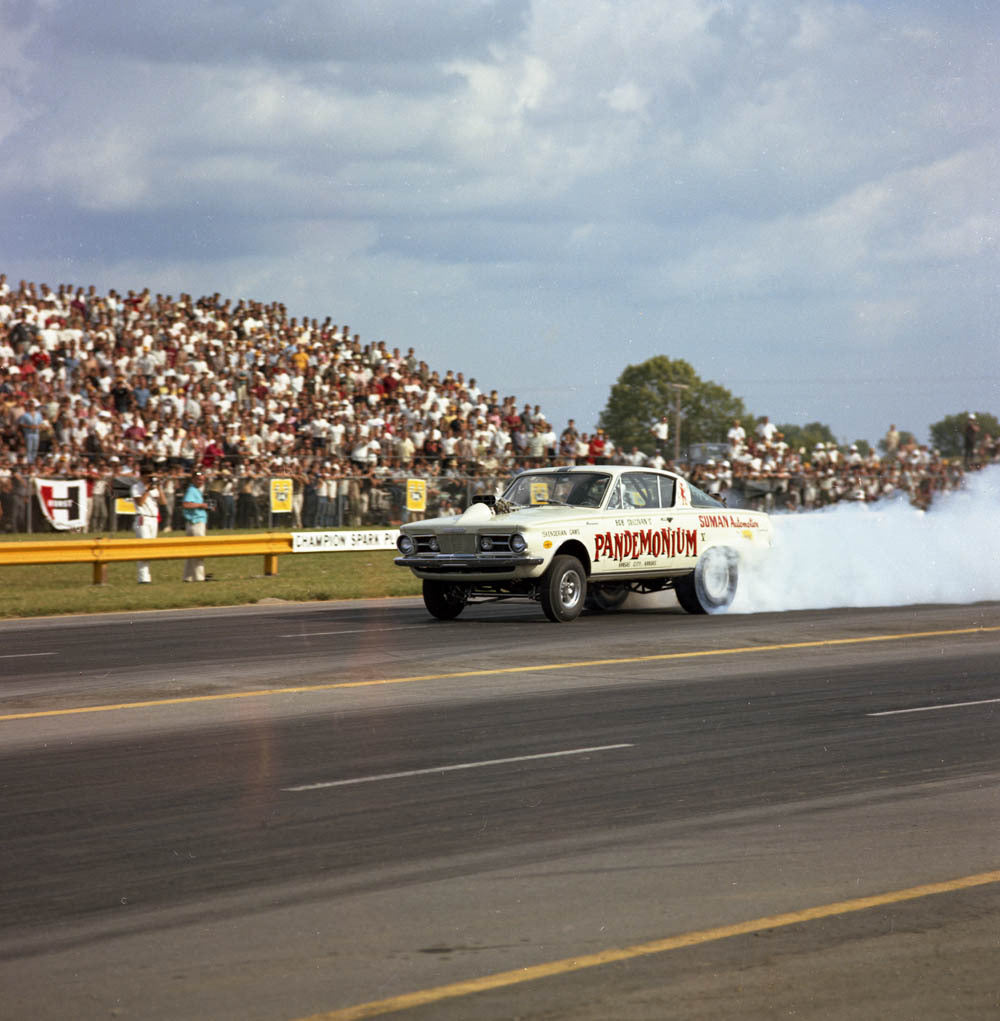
668, 487
651, 489
631, 493
700, 499
615, 500
640, 491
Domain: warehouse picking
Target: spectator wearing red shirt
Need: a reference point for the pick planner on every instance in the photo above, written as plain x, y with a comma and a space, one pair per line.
213, 453
595, 450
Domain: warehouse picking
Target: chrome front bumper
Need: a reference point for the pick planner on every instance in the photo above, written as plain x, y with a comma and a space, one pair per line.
463, 563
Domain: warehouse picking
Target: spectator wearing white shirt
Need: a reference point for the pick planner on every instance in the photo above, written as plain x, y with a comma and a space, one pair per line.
737, 438
766, 430
661, 431
636, 458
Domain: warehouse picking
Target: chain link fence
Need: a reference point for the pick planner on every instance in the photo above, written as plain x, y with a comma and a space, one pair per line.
378, 500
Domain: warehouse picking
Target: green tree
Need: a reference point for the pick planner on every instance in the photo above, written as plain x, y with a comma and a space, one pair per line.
643, 394
948, 435
808, 435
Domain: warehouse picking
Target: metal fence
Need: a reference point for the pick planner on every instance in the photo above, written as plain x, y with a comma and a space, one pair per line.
244, 502
379, 500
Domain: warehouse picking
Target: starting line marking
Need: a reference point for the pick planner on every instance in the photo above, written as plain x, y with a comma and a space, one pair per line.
504, 979
449, 769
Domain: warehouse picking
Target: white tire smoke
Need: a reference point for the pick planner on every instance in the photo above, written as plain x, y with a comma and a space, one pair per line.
883, 554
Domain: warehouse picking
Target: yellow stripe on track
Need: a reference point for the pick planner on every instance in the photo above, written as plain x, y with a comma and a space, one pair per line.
533, 973
493, 672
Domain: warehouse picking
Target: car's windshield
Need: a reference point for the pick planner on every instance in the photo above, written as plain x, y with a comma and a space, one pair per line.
575, 489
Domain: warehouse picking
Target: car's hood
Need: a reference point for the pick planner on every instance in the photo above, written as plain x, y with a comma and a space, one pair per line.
479, 514
545, 512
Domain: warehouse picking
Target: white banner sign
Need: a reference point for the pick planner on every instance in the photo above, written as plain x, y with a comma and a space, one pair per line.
324, 542
64, 503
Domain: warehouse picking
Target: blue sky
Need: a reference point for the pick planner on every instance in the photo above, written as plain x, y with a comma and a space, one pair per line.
799, 198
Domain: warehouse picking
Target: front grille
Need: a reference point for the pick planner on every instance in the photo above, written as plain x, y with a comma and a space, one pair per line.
464, 542
459, 542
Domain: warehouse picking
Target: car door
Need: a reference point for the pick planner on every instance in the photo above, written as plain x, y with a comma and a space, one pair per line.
644, 531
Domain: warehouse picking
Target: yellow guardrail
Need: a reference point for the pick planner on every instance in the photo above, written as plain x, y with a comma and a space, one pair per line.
101, 552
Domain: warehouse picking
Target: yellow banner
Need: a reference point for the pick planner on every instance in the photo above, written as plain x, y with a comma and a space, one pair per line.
416, 495
281, 496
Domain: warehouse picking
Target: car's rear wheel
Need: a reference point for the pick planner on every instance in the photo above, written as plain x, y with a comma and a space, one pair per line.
711, 586
444, 600
606, 597
564, 589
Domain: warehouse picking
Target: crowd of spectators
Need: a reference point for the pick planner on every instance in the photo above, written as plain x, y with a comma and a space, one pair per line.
100, 385
87, 377
764, 472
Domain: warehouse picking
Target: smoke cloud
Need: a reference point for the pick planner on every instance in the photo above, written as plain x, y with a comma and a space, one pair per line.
884, 554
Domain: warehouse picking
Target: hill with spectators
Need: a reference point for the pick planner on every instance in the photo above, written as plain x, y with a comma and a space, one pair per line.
101, 385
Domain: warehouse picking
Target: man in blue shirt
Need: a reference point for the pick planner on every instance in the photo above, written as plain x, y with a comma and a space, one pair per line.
30, 424
141, 393
195, 517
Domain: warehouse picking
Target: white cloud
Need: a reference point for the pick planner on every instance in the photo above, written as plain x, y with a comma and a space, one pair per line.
821, 165
627, 98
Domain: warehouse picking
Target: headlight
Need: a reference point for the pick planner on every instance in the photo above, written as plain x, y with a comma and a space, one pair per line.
518, 543
432, 544
485, 543
405, 545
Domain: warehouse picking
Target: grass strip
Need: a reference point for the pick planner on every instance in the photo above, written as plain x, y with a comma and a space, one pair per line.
52, 589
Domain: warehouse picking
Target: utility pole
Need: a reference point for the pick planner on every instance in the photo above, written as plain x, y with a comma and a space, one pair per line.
677, 388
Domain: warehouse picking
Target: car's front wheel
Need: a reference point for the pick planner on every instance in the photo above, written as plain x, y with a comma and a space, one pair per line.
711, 586
564, 589
444, 600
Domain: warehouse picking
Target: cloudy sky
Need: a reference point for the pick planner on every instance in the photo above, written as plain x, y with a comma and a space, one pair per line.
798, 197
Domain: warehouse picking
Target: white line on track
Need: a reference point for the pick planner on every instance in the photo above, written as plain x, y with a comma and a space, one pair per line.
448, 769
934, 708
355, 631
24, 655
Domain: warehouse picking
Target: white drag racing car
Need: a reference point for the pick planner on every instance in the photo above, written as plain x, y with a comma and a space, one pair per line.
585, 537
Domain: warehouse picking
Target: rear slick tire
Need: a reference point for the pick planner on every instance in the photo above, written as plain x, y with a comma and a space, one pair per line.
564, 589
711, 586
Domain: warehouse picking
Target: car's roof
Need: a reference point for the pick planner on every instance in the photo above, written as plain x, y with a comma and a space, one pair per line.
607, 469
